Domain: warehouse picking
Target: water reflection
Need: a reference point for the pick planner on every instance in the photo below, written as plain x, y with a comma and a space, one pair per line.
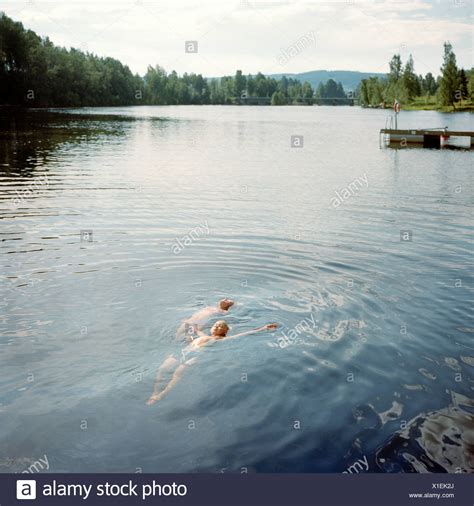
87, 318
29, 138
438, 441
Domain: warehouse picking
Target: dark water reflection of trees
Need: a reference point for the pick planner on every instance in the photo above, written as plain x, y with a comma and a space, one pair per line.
29, 138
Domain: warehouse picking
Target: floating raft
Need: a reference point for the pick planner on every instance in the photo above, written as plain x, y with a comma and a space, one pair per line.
427, 138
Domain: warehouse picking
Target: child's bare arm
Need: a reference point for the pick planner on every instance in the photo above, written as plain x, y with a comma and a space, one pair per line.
202, 338
198, 331
269, 326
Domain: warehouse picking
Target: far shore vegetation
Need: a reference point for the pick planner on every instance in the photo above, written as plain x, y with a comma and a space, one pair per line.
452, 90
36, 73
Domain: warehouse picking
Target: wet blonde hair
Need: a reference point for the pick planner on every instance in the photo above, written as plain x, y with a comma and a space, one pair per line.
222, 323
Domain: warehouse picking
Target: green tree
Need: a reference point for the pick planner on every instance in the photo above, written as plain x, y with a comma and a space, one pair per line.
449, 84
330, 88
250, 85
471, 83
395, 65
307, 92
340, 91
411, 86
278, 98
320, 91
363, 93
155, 82
375, 88
240, 83
429, 84
463, 85
283, 85
295, 91
216, 95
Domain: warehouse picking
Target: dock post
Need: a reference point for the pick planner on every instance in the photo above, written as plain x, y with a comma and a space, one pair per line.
396, 108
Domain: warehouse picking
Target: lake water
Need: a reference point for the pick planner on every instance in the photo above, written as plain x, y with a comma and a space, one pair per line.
98, 269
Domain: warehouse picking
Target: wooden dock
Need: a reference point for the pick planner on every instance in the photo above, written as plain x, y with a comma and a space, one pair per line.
435, 138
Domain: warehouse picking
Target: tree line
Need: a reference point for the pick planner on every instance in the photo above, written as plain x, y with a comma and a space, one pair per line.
162, 88
36, 73
452, 87
332, 93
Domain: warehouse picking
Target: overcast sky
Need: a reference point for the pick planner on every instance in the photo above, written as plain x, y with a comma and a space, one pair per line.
252, 35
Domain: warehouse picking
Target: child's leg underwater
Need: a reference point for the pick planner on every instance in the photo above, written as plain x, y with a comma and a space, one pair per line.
177, 375
169, 363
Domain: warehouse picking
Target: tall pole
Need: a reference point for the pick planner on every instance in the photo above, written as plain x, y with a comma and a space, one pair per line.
396, 106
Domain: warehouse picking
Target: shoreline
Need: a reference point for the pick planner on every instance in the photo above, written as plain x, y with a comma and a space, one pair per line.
469, 107
463, 108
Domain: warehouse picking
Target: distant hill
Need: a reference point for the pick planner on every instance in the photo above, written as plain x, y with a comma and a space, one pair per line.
350, 79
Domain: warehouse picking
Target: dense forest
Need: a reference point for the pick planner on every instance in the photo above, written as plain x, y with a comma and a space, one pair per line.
454, 87
36, 73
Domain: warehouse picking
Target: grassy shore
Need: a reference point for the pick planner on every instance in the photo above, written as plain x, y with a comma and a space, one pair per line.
429, 104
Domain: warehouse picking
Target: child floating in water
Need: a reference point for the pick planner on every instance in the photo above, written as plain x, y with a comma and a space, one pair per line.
201, 317
218, 332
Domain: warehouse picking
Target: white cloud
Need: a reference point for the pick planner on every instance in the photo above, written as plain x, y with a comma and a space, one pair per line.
248, 34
